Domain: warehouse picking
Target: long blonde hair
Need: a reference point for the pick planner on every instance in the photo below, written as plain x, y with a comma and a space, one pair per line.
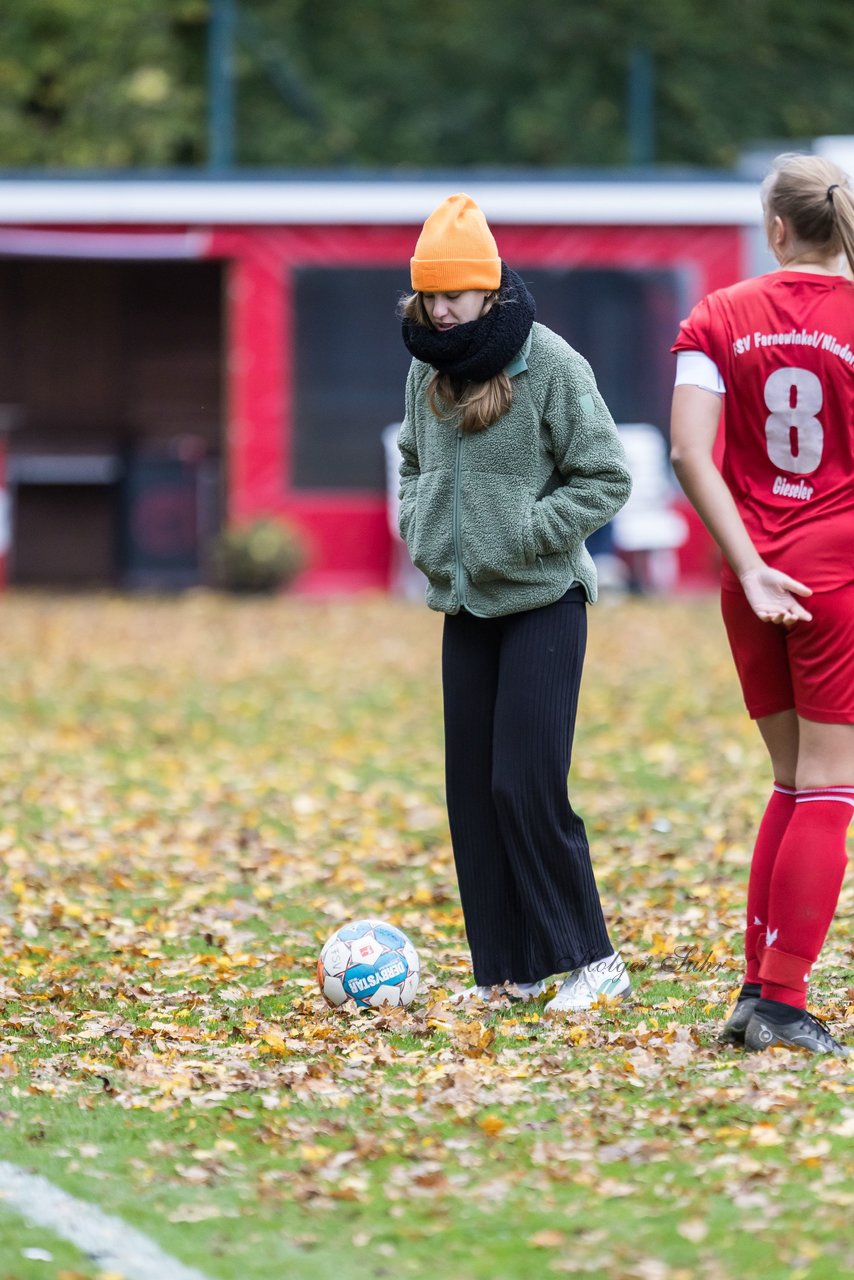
814, 196
473, 406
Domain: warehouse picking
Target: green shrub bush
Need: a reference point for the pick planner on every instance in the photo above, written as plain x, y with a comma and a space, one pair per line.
265, 555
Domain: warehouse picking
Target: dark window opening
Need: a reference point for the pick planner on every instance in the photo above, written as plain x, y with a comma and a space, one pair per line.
351, 364
623, 322
350, 370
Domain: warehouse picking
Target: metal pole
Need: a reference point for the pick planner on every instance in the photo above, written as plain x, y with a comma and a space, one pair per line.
223, 20
641, 106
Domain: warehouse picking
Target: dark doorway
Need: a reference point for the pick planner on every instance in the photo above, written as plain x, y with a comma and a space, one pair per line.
115, 372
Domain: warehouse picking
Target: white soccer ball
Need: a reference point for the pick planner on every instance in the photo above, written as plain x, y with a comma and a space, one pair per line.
369, 962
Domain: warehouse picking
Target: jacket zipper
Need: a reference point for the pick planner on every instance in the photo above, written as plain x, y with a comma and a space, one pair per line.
458, 555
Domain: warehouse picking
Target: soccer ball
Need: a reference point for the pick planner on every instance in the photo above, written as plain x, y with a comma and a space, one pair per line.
369, 962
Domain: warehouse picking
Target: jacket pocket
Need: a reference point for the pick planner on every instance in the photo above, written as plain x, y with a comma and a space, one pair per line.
406, 516
495, 526
432, 533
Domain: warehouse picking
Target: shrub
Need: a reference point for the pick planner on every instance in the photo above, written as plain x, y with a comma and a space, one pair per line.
265, 555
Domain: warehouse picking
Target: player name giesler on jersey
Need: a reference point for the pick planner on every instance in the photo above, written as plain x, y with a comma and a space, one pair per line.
787, 489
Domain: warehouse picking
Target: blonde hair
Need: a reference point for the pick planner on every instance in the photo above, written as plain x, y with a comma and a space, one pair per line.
474, 406
814, 196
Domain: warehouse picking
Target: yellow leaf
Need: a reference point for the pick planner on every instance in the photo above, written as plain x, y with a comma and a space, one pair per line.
474, 1039
275, 1041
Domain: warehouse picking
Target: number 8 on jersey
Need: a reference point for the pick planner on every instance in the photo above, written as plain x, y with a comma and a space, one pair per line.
793, 433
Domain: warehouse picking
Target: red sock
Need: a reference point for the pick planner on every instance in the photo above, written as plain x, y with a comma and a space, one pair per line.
772, 828
805, 884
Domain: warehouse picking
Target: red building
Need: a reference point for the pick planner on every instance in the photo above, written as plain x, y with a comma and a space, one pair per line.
180, 352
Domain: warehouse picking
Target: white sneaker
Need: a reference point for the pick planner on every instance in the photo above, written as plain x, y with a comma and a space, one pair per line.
523, 991
487, 995
583, 987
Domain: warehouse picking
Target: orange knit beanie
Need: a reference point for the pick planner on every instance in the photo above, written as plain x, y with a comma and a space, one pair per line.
456, 250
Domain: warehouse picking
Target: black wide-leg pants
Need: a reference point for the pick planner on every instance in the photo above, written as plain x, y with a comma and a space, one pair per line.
527, 888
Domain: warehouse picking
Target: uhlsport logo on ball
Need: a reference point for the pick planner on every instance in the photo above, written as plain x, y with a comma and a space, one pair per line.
370, 963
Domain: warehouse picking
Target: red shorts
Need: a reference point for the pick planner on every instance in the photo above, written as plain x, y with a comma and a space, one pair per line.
809, 667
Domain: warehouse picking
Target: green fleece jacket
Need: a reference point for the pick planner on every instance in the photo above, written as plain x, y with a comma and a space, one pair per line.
497, 519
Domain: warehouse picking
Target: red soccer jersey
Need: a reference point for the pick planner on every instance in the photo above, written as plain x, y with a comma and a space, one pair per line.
784, 345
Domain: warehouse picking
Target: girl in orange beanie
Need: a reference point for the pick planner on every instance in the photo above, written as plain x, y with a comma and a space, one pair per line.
510, 460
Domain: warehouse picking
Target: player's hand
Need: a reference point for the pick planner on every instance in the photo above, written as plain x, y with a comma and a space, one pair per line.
773, 596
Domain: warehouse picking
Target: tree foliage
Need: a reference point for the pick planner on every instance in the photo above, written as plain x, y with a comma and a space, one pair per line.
391, 83
90, 85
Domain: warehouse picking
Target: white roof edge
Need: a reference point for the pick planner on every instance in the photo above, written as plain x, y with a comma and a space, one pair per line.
840, 149
274, 202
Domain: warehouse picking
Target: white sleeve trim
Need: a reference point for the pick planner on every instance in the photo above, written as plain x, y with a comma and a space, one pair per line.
695, 368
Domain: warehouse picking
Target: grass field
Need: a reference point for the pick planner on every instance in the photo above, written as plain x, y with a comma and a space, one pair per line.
197, 792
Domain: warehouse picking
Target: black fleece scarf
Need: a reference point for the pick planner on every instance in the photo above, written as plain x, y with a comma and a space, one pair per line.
477, 351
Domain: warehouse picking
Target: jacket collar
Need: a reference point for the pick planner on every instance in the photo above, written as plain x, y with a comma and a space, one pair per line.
519, 363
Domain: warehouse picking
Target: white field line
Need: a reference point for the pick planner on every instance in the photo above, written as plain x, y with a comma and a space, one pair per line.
106, 1240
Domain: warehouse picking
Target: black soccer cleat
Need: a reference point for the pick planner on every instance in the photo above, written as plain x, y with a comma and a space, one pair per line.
802, 1031
732, 1032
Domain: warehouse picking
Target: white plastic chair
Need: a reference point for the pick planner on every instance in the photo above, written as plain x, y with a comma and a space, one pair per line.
405, 579
648, 531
